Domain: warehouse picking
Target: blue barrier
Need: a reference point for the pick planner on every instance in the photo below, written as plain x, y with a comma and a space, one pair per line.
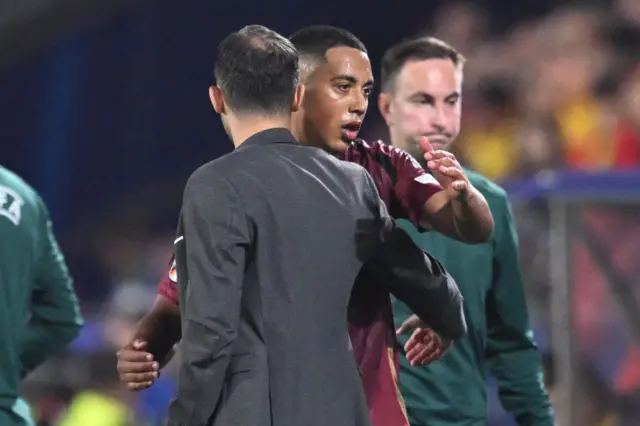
614, 186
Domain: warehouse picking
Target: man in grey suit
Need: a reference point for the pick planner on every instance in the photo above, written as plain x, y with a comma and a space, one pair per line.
271, 239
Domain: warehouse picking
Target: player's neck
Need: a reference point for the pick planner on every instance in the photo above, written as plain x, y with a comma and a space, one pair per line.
246, 127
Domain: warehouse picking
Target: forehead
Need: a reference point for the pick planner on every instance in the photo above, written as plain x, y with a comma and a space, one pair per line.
349, 62
433, 76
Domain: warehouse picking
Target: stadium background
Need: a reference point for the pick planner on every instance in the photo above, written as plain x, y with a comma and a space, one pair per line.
105, 112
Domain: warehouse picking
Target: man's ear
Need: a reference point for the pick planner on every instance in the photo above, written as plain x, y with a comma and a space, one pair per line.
384, 106
297, 98
217, 99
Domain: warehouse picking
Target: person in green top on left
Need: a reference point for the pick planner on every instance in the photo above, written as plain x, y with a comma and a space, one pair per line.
39, 310
421, 97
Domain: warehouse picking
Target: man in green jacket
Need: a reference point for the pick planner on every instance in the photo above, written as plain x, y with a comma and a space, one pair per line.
421, 96
39, 311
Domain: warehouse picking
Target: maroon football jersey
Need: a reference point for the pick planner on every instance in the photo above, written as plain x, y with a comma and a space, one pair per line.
404, 187
167, 286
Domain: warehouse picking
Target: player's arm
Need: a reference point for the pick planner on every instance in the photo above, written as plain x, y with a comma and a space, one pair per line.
216, 238
414, 277
464, 217
55, 312
460, 211
512, 355
152, 346
160, 328
438, 202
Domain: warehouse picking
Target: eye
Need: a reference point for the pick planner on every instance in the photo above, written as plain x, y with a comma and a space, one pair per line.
343, 87
368, 91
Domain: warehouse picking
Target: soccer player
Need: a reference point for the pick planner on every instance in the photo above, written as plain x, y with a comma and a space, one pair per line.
336, 72
421, 96
33, 279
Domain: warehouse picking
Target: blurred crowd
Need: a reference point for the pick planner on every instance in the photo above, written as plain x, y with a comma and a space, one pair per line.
558, 92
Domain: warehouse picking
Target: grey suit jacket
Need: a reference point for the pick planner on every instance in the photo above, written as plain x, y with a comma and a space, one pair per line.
270, 241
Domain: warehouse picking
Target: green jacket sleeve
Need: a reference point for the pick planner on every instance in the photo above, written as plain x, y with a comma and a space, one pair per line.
512, 355
55, 313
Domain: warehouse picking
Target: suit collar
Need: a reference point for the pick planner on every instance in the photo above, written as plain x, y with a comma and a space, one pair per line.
270, 136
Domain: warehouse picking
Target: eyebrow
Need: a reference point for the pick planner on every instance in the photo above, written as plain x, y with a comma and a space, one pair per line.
422, 94
351, 79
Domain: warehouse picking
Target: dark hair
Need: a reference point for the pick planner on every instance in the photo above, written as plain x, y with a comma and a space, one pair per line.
417, 49
257, 71
313, 42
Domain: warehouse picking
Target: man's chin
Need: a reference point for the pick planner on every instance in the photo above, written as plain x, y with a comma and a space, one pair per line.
340, 146
440, 145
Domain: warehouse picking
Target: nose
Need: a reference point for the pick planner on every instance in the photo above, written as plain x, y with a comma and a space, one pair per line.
438, 120
359, 104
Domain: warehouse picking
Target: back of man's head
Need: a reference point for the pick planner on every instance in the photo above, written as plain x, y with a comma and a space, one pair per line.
314, 42
257, 72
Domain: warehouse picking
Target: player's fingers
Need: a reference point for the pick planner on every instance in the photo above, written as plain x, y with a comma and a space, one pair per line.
426, 357
139, 386
444, 166
446, 162
139, 345
423, 358
138, 367
414, 340
138, 377
460, 185
442, 155
425, 347
410, 343
424, 353
132, 355
425, 145
454, 172
456, 187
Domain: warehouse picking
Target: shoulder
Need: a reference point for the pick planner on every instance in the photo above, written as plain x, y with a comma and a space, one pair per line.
220, 170
212, 184
377, 149
16, 194
391, 159
351, 172
15, 183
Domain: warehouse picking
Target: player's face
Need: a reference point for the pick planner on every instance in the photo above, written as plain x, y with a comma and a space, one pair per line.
426, 102
335, 101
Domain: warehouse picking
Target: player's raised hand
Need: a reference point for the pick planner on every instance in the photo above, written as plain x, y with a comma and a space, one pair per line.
425, 345
136, 366
446, 169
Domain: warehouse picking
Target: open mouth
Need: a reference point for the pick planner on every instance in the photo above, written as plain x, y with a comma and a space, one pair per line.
350, 130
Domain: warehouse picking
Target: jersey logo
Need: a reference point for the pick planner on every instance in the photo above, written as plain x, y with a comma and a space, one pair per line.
173, 272
10, 205
426, 179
